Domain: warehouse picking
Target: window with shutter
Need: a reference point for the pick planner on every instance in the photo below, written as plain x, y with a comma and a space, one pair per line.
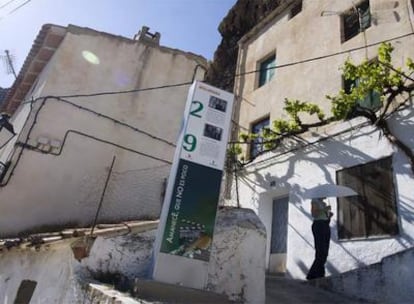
356, 20
373, 211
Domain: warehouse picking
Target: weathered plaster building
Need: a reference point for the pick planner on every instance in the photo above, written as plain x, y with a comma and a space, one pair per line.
308, 41
81, 98
43, 269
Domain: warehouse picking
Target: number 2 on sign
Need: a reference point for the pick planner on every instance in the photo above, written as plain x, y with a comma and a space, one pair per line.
198, 108
190, 142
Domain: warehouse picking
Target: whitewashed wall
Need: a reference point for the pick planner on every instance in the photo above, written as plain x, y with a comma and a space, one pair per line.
309, 53
317, 164
62, 279
49, 191
389, 281
53, 271
236, 268
314, 33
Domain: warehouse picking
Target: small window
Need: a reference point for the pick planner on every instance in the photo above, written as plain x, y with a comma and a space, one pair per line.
25, 292
373, 211
371, 101
296, 9
256, 145
356, 20
267, 70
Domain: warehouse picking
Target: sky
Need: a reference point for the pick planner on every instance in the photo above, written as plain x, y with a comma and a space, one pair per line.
188, 25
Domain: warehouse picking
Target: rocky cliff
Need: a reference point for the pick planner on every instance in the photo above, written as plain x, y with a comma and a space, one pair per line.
242, 17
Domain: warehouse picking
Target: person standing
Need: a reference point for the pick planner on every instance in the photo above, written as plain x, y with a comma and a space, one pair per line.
321, 213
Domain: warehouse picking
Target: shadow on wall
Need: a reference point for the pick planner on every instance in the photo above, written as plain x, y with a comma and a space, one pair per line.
400, 122
343, 157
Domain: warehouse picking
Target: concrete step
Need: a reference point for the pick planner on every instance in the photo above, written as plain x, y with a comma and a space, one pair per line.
283, 290
153, 291
98, 293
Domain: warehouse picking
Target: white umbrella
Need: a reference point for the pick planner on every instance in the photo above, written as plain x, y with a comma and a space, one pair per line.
327, 190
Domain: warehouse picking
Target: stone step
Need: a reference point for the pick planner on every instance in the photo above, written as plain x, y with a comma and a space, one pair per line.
167, 293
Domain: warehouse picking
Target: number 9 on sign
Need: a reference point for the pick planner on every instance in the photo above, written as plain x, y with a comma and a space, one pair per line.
190, 142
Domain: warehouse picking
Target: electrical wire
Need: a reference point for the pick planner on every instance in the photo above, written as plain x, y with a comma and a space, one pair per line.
365, 123
116, 121
230, 76
109, 92
3, 184
68, 132
235, 75
24, 145
13, 10
19, 7
324, 56
127, 91
7, 3
105, 142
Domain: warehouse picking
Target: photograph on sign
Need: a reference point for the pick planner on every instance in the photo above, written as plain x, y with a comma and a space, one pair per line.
191, 217
212, 132
217, 104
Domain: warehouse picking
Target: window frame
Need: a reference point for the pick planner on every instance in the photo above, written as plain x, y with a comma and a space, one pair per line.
254, 143
269, 72
362, 217
373, 98
351, 16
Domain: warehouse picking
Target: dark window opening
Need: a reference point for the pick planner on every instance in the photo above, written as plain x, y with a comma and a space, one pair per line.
25, 292
257, 145
356, 20
373, 211
296, 9
267, 70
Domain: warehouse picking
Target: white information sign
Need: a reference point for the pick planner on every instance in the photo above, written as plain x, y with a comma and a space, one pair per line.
185, 234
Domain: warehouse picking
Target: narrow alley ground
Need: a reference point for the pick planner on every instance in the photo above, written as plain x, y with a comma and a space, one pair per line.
282, 290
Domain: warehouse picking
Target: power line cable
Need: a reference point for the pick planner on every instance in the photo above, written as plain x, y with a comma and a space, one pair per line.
7, 3
325, 56
236, 75
19, 7
230, 76
15, 9
116, 121
127, 91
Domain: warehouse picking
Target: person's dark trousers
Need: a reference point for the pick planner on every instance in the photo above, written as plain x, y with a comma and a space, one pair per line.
322, 235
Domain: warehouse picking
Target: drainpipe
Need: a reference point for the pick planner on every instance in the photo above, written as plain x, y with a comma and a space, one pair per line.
361, 28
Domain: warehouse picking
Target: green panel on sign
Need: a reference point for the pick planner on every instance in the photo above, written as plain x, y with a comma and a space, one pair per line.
191, 216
